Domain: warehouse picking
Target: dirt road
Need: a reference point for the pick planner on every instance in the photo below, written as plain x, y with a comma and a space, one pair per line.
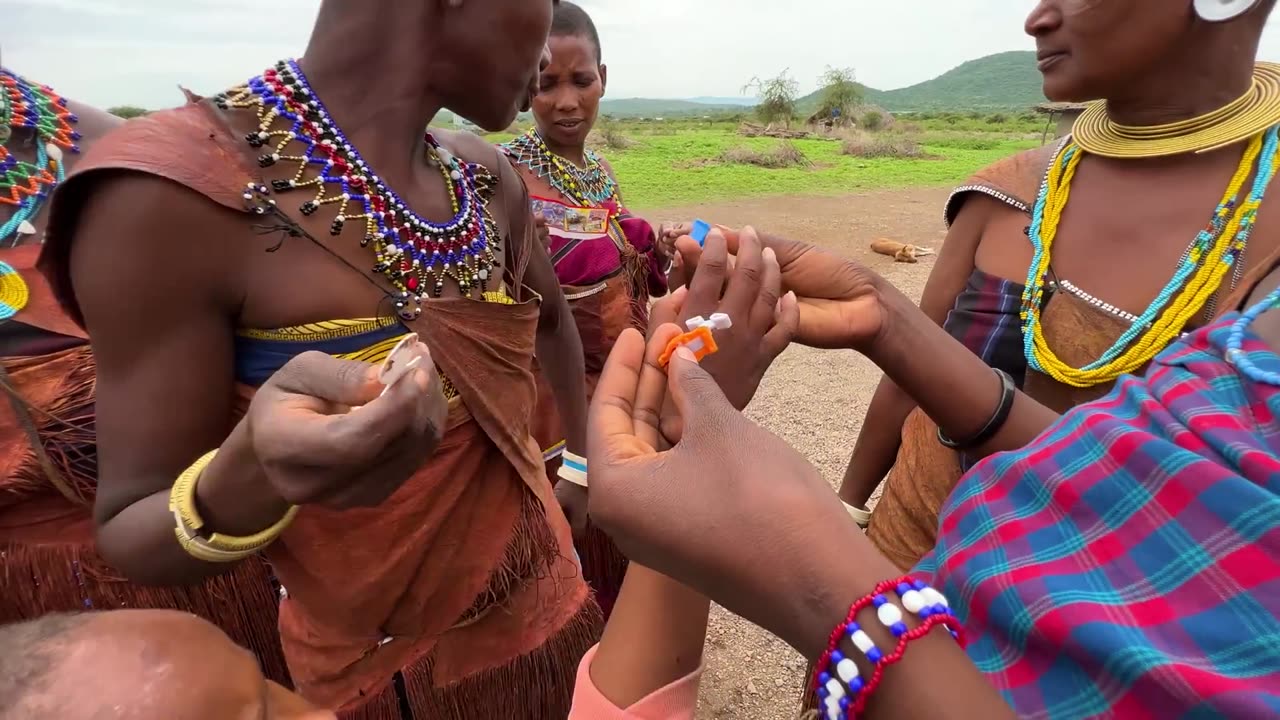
814, 400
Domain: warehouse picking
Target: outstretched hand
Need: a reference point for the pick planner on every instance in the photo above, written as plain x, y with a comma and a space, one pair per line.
726, 509
839, 300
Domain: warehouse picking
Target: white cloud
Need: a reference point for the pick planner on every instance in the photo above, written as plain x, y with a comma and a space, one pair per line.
135, 52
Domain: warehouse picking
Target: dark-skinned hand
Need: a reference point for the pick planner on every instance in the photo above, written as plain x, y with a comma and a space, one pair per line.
838, 300
727, 509
323, 432
749, 292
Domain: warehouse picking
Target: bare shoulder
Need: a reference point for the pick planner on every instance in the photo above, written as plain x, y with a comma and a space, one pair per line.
472, 148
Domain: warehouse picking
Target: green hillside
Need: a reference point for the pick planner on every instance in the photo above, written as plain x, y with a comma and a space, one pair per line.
645, 107
1004, 80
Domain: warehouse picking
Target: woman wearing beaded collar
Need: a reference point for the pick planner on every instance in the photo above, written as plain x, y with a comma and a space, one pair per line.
607, 275
426, 568
1068, 266
49, 561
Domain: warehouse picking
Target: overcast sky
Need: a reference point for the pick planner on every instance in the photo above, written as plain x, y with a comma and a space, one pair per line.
135, 52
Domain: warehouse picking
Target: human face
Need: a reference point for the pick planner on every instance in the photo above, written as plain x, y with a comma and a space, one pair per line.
163, 665
1100, 49
497, 48
569, 92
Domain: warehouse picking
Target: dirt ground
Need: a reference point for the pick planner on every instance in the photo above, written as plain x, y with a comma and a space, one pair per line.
814, 400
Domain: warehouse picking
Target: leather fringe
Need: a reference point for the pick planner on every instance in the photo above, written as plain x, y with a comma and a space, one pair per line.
537, 686
37, 580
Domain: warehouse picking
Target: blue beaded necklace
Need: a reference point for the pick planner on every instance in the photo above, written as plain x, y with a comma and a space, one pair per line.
26, 106
1235, 353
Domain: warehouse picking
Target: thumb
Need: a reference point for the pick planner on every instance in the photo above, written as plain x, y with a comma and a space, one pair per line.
694, 391
315, 374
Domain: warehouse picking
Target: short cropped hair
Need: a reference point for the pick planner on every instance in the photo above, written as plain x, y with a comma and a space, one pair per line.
570, 19
30, 653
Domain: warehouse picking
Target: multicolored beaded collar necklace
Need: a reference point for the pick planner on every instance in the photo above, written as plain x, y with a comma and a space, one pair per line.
412, 252
592, 185
25, 106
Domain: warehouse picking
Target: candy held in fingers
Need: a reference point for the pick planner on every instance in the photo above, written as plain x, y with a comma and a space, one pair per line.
398, 360
698, 341
700, 231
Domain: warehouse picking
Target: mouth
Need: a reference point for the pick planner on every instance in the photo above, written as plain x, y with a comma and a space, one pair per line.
570, 124
1046, 59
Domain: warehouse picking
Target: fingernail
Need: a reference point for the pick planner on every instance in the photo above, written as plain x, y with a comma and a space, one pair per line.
681, 291
770, 255
790, 294
685, 353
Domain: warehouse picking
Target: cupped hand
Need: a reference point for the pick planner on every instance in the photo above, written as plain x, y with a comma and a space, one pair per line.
749, 291
728, 510
839, 299
324, 432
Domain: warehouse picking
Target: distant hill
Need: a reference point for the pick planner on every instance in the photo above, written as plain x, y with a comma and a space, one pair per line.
1002, 81
738, 101
649, 107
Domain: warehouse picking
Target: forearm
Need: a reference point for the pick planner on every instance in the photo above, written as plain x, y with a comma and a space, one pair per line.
952, 385
233, 499
654, 637
879, 438
559, 349
843, 567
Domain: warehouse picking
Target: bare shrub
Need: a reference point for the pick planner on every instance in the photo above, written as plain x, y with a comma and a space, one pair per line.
783, 155
865, 145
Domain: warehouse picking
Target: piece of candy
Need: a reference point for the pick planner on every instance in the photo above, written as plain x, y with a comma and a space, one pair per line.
700, 231
699, 341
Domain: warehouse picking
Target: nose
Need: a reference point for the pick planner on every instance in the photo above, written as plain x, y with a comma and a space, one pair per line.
545, 60
1045, 17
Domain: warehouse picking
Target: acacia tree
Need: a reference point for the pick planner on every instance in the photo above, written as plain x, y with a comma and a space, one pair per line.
840, 92
777, 98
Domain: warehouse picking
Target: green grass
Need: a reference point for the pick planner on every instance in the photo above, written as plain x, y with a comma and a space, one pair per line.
680, 163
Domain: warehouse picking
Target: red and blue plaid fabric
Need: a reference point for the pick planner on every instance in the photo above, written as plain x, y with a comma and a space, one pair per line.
1127, 563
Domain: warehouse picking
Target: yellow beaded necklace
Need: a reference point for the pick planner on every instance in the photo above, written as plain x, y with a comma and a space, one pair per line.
1243, 118
1211, 255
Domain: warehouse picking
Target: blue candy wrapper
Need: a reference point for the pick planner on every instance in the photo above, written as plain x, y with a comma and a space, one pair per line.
699, 232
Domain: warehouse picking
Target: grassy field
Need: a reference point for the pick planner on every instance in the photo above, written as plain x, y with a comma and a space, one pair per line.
687, 162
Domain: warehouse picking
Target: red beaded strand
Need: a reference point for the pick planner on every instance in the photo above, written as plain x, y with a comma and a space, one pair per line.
838, 633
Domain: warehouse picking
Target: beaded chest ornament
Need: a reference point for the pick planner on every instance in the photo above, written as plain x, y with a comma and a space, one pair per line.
25, 186
415, 254
1211, 255
592, 185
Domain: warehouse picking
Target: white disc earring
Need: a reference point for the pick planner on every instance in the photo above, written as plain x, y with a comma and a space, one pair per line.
1222, 10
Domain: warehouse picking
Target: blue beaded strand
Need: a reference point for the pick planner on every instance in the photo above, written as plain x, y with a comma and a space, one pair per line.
1235, 353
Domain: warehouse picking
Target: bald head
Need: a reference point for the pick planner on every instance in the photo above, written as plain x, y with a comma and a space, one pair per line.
136, 665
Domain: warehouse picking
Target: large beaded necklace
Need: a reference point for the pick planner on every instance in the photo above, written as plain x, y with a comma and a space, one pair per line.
25, 106
412, 252
591, 186
1213, 252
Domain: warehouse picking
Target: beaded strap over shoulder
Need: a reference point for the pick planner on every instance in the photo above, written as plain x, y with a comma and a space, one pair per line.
1013, 181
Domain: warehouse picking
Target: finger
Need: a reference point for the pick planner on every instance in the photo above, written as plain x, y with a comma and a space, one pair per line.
786, 325
696, 394
615, 396
651, 391
689, 254
369, 429
341, 382
764, 312
744, 282
708, 282
667, 310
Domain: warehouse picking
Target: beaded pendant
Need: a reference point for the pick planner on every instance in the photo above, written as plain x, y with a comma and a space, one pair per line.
415, 254
25, 186
1213, 253
591, 185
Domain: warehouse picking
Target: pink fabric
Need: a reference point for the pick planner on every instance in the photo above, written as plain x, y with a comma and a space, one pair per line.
676, 701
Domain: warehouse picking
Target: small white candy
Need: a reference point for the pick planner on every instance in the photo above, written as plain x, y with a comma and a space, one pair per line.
719, 321
863, 642
847, 670
913, 601
26, 228
889, 614
933, 597
836, 689
55, 152
694, 322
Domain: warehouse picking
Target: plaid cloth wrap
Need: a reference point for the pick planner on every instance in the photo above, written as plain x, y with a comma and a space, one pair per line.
1127, 563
